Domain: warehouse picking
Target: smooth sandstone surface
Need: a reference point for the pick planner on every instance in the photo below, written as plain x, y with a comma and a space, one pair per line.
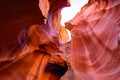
30, 48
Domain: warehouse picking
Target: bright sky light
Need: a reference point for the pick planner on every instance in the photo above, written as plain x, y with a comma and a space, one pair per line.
69, 12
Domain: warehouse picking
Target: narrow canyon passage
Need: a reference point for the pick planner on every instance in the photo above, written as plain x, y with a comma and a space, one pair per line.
39, 42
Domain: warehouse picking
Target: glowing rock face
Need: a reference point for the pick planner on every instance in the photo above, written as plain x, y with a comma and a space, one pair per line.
35, 54
94, 47
64, 35
36, 58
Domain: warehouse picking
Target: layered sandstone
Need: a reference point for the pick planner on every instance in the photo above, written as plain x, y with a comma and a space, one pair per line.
30, 48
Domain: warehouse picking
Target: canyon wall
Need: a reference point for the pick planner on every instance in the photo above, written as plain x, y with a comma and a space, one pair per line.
30, 48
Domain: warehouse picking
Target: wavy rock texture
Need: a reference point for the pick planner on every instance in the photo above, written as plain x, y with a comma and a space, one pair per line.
27, 51
95, 45
30, 49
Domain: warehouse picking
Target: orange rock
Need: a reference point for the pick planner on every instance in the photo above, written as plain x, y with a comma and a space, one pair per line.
64, 35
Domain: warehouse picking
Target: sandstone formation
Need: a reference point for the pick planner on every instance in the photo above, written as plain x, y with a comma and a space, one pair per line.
34, 47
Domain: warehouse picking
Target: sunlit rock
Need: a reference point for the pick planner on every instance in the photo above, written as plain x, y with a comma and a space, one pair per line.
64, 35
54, 14
35, 52
37, 59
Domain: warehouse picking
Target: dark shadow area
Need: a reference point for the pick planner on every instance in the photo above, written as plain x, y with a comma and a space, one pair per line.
16, 15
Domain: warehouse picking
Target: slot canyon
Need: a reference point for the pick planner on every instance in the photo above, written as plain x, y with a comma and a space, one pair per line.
36, 45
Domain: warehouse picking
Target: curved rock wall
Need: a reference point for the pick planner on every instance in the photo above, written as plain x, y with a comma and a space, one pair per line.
95, 45
30, 48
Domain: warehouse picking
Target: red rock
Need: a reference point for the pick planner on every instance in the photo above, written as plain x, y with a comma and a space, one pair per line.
34, 52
